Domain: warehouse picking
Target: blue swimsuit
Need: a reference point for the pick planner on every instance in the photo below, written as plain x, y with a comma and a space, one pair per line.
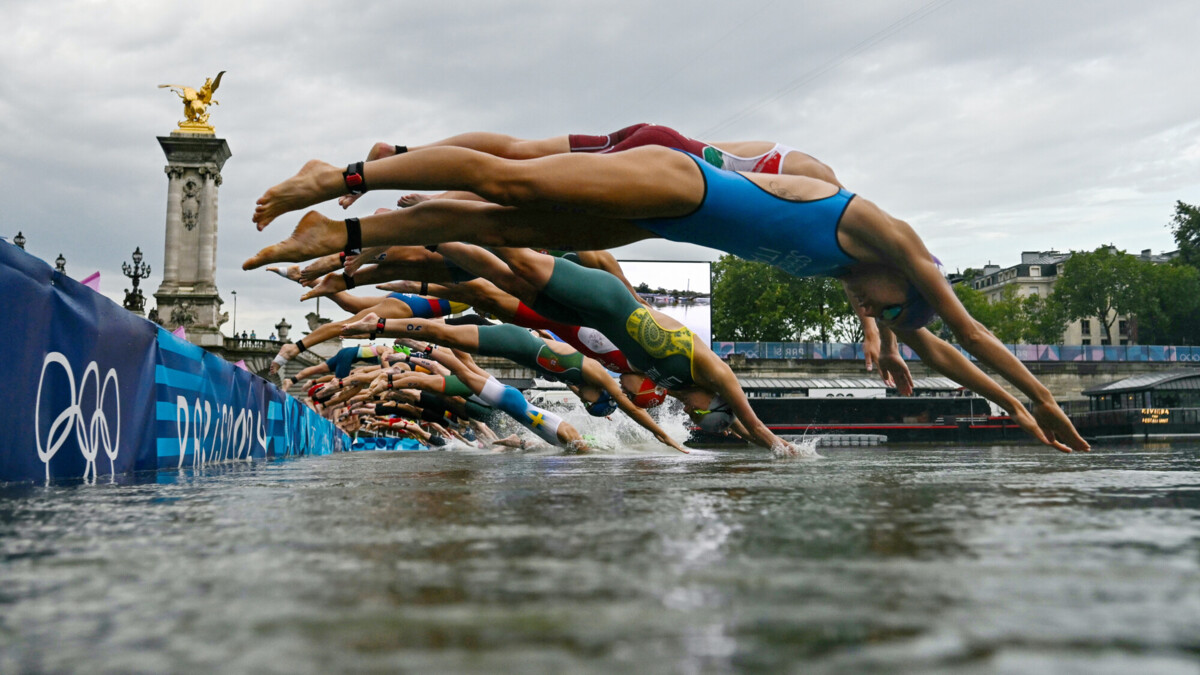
739, 217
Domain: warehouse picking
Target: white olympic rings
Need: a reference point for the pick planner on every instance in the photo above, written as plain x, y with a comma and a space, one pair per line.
92, 432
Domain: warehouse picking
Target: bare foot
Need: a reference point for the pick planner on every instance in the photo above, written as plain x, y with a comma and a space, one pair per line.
315, 235
320, 267
288, 351
369, 255
315, 182
412, 200
410, 287
328, 285
363, 326
291, 272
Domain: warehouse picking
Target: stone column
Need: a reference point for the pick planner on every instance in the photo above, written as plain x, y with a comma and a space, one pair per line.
189, 290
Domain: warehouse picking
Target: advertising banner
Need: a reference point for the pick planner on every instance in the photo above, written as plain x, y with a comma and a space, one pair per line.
89, 389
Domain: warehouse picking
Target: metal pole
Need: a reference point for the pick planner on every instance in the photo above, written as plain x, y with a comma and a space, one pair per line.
234, 313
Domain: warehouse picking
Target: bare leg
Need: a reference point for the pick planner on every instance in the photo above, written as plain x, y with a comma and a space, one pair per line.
417, 198
445, 220
465, 338
640, 183
356, 303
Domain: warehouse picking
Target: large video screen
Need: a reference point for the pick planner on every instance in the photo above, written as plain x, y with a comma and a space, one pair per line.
679, 289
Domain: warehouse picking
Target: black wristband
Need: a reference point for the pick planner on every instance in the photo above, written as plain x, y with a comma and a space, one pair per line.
300, 343
353, 237
353, 178
401, 149
349, 279
424, 288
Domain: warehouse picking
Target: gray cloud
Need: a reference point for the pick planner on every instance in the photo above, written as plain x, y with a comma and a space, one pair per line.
993, 128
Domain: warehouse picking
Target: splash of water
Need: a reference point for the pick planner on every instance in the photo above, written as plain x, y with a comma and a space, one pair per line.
805, 448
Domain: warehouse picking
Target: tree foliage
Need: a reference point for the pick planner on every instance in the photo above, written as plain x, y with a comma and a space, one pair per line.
754, 302
1185, 225
1101, 284
1169, 308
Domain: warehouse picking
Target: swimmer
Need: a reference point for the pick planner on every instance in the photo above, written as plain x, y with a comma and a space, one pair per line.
554, 360
392, 306
753, 156
340, 364
544, 424
805, 226
487, 298
750, 156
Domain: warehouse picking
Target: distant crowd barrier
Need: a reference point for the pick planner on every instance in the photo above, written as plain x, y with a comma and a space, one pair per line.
834, 351
90, 389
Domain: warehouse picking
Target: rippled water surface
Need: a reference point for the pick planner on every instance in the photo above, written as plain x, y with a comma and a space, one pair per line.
1006, 559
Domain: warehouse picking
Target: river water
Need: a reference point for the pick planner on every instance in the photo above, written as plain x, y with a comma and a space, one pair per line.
897, 559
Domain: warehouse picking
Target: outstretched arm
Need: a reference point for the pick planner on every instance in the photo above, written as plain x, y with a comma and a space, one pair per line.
597, 374
944, 358
715, 375
895, 243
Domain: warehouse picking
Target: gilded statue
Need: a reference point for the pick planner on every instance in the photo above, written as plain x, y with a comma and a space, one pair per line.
196, 102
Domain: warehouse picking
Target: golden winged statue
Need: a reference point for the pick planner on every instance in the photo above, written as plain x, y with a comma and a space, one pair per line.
195, 104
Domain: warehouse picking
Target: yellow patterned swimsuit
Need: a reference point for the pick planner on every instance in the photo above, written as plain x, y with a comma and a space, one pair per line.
580, 296
671, 350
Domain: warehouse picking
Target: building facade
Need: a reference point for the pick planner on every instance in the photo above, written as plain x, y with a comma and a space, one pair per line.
1036, 274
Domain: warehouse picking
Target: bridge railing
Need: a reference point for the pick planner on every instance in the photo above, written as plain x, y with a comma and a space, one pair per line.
252, 345
835, 351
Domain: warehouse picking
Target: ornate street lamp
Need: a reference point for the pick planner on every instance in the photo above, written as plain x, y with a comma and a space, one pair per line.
234, 313
134, 300
60, 264
20, 240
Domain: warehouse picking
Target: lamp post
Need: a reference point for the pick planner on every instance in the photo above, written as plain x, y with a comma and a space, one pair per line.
134, 300
234, 313
60, 264
20, 240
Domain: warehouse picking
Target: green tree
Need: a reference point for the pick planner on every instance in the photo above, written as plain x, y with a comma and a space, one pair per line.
756, 302
1100, 284
751, 302
1045, 320
1169, 309
1185, 225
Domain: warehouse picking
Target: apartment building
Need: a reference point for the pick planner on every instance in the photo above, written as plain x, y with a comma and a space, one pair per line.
1036, 274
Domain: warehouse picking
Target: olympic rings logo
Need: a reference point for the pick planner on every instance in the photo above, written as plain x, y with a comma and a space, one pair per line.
91, 431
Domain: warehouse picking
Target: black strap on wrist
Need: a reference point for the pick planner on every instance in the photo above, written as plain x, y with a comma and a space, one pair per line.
300, 344
353, 178
401, 149
353, 237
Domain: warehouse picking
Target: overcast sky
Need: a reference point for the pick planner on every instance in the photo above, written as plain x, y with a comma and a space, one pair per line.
992, 127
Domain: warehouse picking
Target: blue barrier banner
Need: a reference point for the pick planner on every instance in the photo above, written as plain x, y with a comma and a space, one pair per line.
1029, 353
91, 389
385, 443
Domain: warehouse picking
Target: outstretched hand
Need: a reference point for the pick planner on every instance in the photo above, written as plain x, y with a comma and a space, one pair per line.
1045, 431
1057, 426
895, 373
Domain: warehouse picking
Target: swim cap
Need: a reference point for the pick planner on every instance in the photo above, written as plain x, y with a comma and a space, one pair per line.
717, 418
917, 310
649, 394
602, 406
